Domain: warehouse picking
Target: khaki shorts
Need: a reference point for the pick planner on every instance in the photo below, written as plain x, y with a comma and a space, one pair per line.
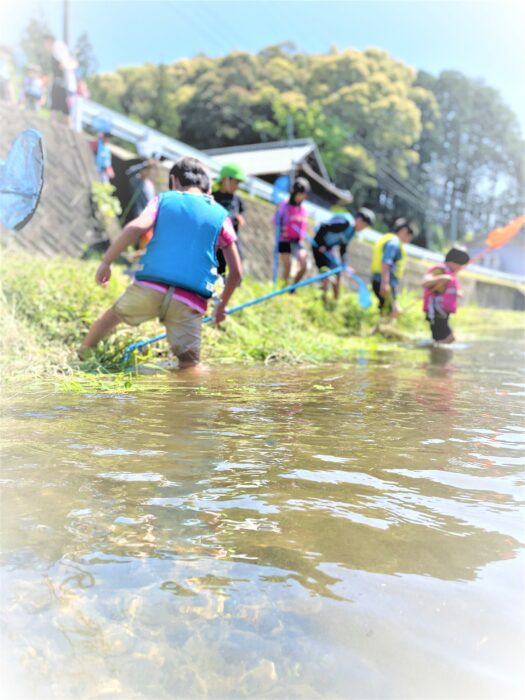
183, 324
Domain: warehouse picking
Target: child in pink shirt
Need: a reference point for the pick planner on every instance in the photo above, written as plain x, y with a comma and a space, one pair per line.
291, 219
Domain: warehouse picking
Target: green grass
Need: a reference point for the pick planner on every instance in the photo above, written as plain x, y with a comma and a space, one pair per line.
48, 305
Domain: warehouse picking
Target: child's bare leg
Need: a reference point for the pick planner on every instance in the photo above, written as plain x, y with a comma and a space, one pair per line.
324, 287
286, 264
336, 284
395, 310
102, 327
189, 359
301, 259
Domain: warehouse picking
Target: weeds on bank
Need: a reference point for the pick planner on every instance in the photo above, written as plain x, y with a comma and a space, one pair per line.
48, 305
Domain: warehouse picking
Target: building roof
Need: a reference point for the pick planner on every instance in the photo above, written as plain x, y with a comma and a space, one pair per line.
276, 157
267, 158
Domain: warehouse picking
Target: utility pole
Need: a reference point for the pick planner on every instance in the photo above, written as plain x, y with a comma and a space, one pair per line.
65, 26
289, 128
290, 136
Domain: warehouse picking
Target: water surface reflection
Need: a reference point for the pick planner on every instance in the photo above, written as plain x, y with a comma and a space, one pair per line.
351, 531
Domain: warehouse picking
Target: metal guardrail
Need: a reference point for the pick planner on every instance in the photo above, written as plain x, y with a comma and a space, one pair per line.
152, 143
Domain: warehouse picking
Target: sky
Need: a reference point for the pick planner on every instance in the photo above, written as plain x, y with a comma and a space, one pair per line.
481, 38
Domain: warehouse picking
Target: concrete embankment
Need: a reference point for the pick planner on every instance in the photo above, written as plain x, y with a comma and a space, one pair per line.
64, 223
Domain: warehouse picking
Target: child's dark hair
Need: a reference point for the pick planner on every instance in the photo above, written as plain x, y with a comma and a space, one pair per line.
190, 172
458, 254
404, 223
299, 186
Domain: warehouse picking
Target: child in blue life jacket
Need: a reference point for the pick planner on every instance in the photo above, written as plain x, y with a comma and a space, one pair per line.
336, 233
104, 159
441, 292
32, 88
178, 271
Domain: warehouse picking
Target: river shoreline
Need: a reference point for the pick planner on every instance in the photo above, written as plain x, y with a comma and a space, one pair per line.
47, 306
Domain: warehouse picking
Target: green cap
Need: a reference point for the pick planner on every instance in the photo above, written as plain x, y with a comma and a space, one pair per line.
232, 170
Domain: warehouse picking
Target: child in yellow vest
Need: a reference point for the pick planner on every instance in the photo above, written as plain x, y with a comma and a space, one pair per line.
388, 261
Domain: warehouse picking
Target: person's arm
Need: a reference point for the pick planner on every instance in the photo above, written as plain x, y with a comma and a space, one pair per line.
241, 221
343, 252
429, 280
129, 236
234, 264
391, 253
343, 247
385, 279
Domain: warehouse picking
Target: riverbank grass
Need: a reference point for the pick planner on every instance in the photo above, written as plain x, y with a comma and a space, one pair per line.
48, 305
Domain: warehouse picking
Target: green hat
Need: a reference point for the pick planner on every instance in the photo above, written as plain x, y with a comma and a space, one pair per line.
232, 170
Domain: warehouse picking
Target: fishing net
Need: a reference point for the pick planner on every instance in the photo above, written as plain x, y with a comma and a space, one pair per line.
499, 236
21, 180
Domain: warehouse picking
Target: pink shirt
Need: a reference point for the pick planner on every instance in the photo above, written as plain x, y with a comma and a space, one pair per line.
226, 238
293, 221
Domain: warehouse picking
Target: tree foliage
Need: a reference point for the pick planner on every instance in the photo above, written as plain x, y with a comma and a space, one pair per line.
444, 150
87, 62
472, 158
32, 44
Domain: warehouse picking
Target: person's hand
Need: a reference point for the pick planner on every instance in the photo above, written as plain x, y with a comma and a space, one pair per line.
103, 274
220, 313
322, 248
384, 289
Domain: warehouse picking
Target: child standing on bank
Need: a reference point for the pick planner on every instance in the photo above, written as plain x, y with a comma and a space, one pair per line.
441, 292
32, 88
179, 268
225, 193
291, 220
104, 159
333, 234
388, 264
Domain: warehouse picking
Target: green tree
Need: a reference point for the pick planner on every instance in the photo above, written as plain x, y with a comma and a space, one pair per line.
475, 158
32, 44
87, 62
405, 143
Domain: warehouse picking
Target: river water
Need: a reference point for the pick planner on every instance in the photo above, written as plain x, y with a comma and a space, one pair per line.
351, 531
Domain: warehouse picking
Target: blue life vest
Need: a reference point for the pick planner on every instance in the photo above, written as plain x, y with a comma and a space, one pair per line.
181, 252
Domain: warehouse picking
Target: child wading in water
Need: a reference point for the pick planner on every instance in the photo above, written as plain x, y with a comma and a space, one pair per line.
441, 293
179, 268
291, 220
